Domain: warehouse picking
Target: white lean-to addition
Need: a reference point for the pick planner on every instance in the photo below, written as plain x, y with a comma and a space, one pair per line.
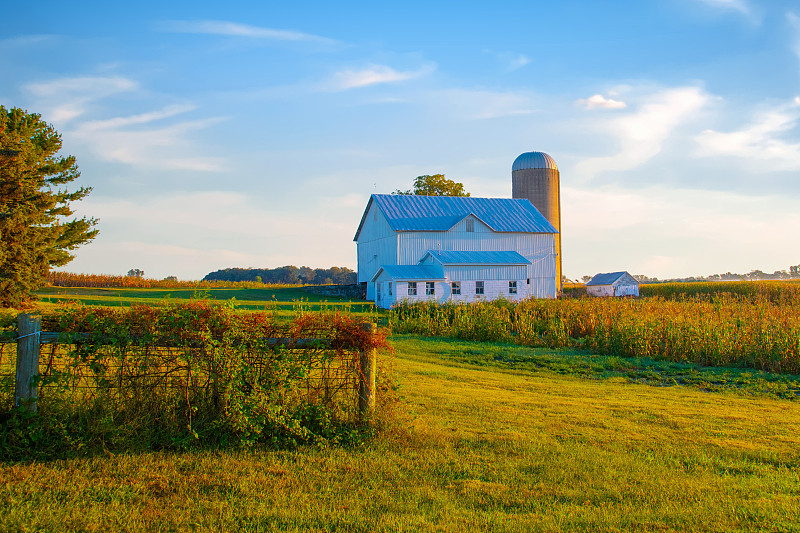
460, 249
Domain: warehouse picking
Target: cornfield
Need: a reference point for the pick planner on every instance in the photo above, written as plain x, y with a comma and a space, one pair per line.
723, 330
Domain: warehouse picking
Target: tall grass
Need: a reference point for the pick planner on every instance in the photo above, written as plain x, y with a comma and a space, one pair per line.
750, 332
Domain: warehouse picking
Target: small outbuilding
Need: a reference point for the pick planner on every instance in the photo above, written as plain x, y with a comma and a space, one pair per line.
613, 284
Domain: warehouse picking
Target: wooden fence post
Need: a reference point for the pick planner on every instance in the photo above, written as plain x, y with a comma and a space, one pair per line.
366, 382
27, 391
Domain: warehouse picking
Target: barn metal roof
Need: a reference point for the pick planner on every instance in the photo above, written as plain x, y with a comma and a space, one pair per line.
478, 258
530, 160
440, 213
402, 272
606, 279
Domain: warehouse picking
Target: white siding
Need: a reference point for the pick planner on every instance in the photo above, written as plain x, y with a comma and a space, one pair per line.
600, 290
377, 245
493, 290
485, 272
538, 248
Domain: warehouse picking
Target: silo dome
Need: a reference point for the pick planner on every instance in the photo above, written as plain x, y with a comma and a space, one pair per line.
534, 160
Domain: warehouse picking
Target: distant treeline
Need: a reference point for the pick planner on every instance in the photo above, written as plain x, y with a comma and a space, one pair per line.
754, 275
290, 275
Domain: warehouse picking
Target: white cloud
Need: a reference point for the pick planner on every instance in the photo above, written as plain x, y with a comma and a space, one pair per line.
598, 101
761, 141
65, 99
642, 132
234, 29
373, 75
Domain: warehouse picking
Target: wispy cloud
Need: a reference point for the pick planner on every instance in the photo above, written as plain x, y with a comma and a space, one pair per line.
373, 75
482, 104
642, 132
598, 101
64, 99
26, 40
167, 146
235, 29
735, 5
144, 118
513, 61
794, 21
764, 141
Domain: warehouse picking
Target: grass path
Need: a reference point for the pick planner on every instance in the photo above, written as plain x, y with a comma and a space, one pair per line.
487, 450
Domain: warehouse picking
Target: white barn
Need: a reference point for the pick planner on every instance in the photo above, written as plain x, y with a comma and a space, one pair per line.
461, 249
613, 284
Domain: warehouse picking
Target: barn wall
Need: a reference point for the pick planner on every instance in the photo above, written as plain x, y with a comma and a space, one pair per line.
600, 290
377, 245
485, 272
538, 248
493, 289
624, 287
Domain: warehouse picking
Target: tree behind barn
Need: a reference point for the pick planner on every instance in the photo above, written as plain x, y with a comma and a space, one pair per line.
435, 185
35, 233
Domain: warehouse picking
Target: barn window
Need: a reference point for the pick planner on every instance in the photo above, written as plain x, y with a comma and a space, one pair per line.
478, 287
412, 288
512, 287
455, 287
429, 288
470, 225
390, 288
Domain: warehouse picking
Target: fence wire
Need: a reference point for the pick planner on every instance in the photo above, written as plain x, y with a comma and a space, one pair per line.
84, 373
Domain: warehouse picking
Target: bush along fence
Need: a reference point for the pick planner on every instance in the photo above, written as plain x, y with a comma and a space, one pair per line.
185, 374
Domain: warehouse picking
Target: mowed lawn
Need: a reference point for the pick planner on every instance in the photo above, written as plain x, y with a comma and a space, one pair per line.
477, 449
284, 300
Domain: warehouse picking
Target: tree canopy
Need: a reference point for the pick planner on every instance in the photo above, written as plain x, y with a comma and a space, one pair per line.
435, 185
35, 230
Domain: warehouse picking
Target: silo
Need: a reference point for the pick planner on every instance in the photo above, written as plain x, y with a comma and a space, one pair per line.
535, 176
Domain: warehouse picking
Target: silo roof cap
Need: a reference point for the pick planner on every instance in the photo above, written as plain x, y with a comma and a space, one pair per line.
534, 160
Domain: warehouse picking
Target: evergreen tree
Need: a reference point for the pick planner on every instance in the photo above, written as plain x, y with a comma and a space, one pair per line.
35, 233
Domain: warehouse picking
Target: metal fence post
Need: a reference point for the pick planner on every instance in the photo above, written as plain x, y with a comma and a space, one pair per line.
366, 382
27, 391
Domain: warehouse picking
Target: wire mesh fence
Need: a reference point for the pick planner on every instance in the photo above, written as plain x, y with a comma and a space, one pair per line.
84, 372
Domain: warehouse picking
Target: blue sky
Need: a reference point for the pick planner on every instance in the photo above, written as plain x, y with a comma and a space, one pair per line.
251, 134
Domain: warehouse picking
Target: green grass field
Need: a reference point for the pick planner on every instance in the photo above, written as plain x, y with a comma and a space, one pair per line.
487, 438
281, 299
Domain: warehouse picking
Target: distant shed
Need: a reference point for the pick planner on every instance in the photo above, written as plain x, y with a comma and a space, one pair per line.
613, 284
